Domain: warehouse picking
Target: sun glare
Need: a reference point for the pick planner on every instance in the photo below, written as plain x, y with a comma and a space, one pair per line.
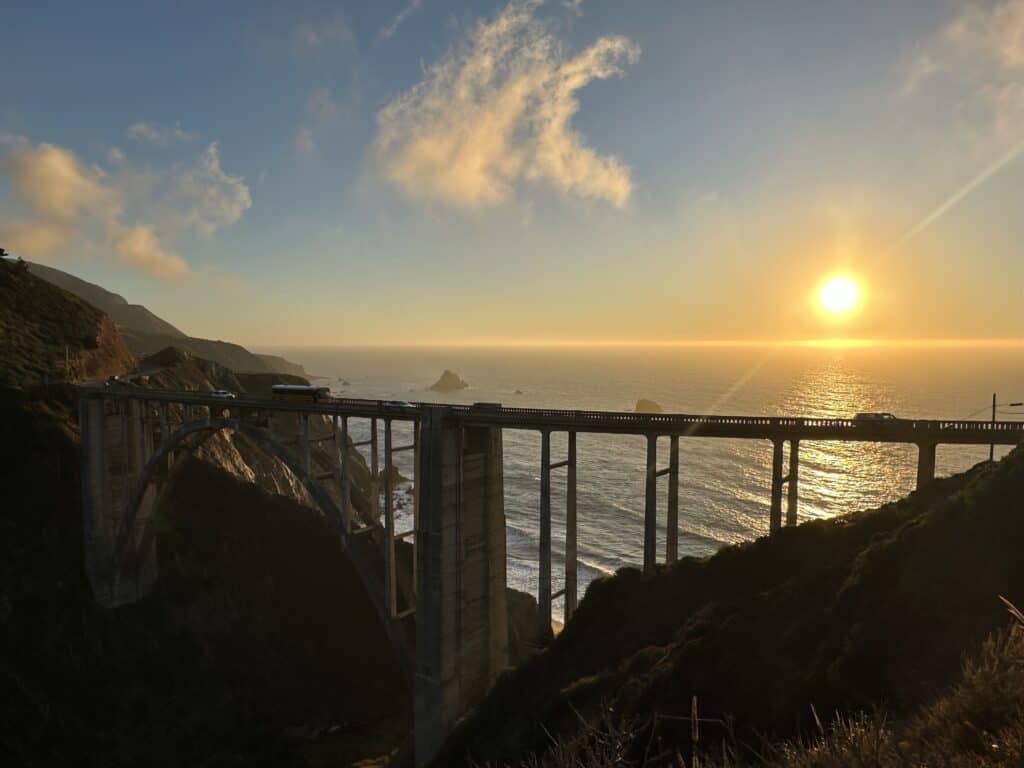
839, 295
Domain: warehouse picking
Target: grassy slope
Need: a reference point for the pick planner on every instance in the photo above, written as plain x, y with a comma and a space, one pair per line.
872, 609
39, 322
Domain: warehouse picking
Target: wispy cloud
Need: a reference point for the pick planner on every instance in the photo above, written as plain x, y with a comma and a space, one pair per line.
310, 34
496, 111
161, 135
214, 199
979, 56
389, 29
320, 108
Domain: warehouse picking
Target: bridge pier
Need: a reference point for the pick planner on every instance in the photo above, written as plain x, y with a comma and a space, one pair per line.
461, 612
775, 515
672, 518
570, 531
925, 464
544, 559
651, 506
793, 479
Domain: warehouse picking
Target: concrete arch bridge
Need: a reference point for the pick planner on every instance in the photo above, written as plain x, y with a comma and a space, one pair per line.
446, 616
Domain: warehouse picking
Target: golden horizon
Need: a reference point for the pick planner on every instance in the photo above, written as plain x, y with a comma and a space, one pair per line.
807, 343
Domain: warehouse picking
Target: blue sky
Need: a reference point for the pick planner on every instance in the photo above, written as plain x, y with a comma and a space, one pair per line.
428, 172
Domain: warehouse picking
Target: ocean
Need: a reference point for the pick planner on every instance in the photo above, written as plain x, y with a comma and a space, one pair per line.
724, 484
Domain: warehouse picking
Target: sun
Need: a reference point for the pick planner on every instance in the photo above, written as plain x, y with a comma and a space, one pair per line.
839, 295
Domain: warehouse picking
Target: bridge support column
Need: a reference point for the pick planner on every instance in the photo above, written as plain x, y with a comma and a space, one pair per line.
925, 464
792, 492
651, 506
672, 517
775, 516
374, 472
461, 612
544, 576
570, 530
98, 521
390, 581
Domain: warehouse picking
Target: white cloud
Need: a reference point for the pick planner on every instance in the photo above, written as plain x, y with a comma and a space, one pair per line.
496, 112
389, 29
215, 199
33, 238
61, 202
138, 247
161, 135
995, 32
52, 184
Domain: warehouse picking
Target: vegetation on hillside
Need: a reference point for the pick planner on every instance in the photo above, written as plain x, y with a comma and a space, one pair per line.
47, 334
868, 612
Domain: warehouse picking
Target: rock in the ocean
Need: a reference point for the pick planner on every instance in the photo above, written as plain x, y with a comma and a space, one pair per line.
643, 405
449, 382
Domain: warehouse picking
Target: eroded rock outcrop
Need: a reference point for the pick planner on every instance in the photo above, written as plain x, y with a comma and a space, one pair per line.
449, 382
643, 405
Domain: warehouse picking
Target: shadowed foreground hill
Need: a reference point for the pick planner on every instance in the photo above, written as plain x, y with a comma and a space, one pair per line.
871, 610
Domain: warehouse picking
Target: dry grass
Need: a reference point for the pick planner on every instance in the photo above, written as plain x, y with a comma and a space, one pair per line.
978, 722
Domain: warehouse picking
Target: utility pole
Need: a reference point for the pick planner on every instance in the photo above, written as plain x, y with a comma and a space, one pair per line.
992, 446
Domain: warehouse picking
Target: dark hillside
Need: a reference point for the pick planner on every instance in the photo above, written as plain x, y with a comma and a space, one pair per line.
873, 609
256, 647
145, 333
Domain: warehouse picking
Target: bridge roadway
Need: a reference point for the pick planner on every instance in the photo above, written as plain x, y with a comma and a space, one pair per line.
915, 431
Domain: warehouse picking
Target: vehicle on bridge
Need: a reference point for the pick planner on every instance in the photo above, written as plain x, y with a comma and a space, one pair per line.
397, 405
302, 393
874, 416
223, 393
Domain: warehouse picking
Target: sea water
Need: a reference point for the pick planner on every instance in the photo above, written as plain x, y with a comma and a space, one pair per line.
724, 483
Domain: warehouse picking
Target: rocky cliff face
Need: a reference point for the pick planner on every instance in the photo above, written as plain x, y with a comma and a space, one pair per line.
174, 368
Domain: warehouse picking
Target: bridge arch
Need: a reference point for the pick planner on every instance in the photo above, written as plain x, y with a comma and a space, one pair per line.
357, 548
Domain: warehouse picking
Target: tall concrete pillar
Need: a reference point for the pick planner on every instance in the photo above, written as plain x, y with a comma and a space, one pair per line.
390, 582
544, 558
672, 517
651, 506
571, 552
461, 612
793, 489
775, 516
925, 464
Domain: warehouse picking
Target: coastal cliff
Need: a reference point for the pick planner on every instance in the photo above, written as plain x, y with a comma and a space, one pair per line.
47, 334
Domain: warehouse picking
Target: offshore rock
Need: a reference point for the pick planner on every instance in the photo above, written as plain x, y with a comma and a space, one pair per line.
643, 405
449, 382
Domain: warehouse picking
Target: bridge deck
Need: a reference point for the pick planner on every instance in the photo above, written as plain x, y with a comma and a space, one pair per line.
920, 431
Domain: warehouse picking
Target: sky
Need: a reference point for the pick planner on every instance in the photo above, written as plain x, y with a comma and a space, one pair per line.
524, 172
